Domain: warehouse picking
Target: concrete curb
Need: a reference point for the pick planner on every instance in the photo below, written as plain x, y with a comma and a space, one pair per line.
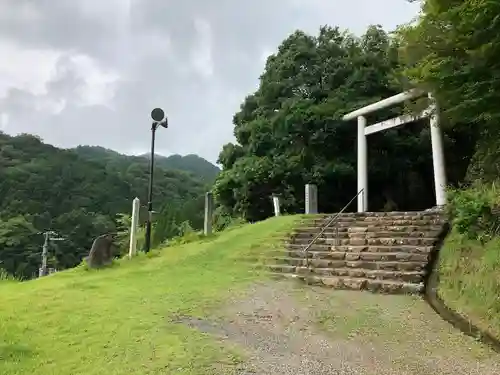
431, 296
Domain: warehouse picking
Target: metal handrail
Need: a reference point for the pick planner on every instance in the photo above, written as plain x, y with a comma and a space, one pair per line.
333, 218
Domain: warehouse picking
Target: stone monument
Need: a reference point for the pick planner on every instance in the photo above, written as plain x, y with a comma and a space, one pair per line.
101, 252
311, 199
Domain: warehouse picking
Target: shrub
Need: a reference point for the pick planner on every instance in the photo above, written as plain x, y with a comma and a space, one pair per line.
6, 277
475, 210
223, 221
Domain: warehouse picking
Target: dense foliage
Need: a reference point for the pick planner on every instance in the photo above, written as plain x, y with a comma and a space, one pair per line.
475, 211
453, 50
80, 196
289, 132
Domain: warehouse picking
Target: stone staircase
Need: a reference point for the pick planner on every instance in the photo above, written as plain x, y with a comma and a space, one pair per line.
380, 252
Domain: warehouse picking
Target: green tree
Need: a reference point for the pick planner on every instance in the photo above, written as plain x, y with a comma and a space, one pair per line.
453, 51
20, 247
289, 132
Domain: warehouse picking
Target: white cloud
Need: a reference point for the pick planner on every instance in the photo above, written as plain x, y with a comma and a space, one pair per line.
102, 65
99, 85
201, 55
26, 69
4, 121
51, 106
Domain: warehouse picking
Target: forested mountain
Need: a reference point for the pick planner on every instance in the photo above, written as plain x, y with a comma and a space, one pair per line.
191, 163
43, 187
197, 166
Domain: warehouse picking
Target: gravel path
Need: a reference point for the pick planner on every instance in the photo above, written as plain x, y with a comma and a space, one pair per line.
286, 330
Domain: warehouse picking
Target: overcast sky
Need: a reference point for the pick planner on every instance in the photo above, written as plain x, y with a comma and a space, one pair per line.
90, 71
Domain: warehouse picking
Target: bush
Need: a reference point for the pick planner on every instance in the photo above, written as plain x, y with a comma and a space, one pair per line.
475, 211
4, 276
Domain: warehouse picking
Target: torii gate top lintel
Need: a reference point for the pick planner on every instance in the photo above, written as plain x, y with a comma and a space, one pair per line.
363, 131
384, 103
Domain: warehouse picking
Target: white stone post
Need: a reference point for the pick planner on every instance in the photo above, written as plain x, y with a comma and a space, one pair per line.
438, 162
276, 204
209, 207
311, 199
136, 204
362, 166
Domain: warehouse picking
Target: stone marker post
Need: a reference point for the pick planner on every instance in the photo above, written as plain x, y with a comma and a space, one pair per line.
276, 204
311, 199
136, 204
209, 208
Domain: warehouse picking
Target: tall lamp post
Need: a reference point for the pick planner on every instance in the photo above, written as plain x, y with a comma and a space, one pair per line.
159, 119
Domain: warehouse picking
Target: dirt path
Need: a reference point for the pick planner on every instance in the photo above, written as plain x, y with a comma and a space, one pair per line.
284, 329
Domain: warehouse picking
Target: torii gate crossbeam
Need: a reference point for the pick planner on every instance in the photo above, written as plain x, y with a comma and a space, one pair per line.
364, 131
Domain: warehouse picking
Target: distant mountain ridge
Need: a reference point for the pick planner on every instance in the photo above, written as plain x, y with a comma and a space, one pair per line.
191, 163
199, 166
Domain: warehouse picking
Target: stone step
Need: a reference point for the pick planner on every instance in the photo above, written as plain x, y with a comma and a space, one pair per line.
351, 256
405, 276
377, 214
376, 223
383, 249
335, 259
370, 234
389, 241
326, 248
379, 286
380, 215
293, 264
347, 227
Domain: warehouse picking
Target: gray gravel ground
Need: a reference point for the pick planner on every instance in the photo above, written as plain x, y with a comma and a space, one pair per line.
282, 329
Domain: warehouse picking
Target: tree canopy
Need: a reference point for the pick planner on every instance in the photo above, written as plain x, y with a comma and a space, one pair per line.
289, 132
453, 50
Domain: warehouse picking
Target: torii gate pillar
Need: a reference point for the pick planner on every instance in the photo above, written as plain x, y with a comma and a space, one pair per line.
364, 131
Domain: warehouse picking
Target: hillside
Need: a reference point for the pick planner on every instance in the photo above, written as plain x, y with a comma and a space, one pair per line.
191, 163
195, 309
123, 326
469, 259
43, 187
197, 166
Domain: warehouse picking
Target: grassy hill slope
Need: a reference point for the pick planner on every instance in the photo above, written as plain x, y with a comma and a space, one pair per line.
131, 319
469, 263
469, 280
119, 320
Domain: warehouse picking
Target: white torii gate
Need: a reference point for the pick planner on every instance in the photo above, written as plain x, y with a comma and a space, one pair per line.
363, 131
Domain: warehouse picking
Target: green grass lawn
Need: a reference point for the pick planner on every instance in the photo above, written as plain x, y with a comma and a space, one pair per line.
119, 320
470, 280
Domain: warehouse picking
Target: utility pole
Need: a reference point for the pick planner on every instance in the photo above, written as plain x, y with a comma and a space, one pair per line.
42, 271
